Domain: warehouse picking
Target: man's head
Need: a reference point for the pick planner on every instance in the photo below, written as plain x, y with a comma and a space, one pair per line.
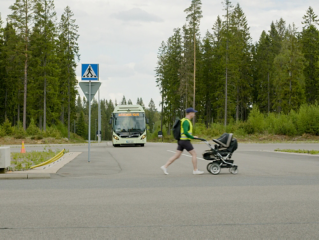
190, 113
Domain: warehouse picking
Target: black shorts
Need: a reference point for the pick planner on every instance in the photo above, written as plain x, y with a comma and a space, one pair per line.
184, 144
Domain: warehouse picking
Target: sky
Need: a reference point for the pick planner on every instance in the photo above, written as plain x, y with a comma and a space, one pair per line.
123, 36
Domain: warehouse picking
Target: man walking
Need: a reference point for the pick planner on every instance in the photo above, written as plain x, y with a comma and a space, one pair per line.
184, 142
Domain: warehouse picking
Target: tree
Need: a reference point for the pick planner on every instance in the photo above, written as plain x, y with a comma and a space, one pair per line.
81, 126
21, 17
310, 49
44, 60
194, 14
151, 111
69, 53
264, 63
289, 80
129, 102
123, 102
240, 62
228, 8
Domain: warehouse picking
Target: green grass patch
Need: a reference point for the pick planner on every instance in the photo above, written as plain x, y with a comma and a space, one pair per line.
313, 152
23, 161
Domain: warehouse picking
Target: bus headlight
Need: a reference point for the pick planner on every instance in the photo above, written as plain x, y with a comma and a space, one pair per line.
115, 137
144, 136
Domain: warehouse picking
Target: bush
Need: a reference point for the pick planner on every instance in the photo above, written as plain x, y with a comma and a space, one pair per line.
7, 128
284, 126
256, 123
33, 130
52, 132
62, 129
308, 119
19, 132
2, 132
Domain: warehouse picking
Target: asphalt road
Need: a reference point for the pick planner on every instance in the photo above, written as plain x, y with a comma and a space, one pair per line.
123, 194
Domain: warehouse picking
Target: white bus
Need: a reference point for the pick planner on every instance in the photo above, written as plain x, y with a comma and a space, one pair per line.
129, 125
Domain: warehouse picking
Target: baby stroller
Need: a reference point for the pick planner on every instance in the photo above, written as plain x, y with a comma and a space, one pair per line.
220, 155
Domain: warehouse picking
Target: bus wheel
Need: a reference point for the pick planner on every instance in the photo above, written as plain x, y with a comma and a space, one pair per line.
142, 145
116, 145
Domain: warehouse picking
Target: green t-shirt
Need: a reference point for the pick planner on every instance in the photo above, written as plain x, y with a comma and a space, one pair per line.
186, 128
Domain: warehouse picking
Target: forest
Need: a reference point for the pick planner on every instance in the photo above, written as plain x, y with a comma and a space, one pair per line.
225, 75
266, 87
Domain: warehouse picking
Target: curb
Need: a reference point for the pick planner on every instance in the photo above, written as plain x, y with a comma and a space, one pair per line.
25, 176
43, 172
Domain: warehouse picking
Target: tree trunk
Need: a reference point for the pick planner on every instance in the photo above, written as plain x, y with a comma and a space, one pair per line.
268, 95
25, 90
194, 74
45, 104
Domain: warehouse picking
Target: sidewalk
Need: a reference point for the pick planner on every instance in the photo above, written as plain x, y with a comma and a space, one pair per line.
44, 171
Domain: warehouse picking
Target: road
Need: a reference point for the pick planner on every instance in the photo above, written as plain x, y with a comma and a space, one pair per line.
123, 194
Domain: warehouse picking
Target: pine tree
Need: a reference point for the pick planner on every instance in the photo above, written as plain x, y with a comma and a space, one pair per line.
44, 49
123, 102
129, 102
151, 111
68, 54
240, 61
289, 80
310, 49
219, 42
21, 17
194, 14
12, 66
228, 7
81, 126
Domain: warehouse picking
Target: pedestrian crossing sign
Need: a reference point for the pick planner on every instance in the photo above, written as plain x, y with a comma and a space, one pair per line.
90, 72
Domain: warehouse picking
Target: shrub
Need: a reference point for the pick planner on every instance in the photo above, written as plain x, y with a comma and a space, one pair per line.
20, 133
7, 128
284, 126
2, 132
52, 132
33, 130
308, 119
256, 121
62, 129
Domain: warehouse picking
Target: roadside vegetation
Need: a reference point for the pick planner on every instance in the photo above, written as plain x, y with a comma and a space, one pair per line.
313, 152
33, 135
301, 125
23, 161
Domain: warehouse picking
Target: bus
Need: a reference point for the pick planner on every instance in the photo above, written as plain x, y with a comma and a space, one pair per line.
128, 125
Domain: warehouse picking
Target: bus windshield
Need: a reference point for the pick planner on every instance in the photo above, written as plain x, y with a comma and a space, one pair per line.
129, 122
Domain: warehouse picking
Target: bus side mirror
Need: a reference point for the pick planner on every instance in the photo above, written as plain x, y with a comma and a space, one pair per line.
147, 121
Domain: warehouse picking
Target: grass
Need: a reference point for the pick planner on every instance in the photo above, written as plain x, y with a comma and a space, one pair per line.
313, 152
10, 140
23, 161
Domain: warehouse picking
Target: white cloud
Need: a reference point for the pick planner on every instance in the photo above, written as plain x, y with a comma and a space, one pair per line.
124, 36
137, 14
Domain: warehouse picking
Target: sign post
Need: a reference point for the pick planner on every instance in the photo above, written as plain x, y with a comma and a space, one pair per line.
90, 72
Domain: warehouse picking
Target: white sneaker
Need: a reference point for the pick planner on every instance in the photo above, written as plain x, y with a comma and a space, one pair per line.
164, 170
197, 172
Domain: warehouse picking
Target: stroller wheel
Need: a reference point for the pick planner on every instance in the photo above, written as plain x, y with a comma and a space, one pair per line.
233, 170
213, 168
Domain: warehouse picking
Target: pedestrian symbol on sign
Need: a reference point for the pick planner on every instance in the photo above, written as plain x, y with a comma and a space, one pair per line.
89, 73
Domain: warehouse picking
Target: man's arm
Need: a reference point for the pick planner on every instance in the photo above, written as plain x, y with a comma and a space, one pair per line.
186, 127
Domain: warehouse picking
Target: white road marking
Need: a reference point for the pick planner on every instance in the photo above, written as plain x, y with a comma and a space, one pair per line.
188, 155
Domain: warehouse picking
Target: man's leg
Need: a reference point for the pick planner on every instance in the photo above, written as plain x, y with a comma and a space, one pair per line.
173, 158
194, 158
